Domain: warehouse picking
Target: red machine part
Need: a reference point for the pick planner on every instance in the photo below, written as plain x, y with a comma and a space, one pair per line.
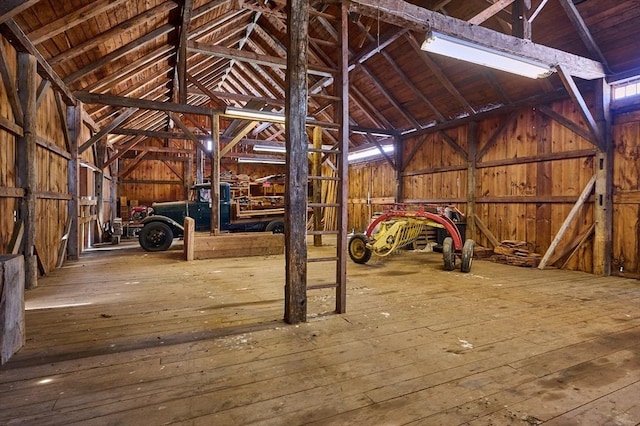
447, 223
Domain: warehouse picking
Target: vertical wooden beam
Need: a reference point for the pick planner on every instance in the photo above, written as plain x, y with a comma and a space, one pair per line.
295, 291
472, 172
316, 170
215, 174
187, 10
603, 210
74, 125
187, 174
101, 153
199, 165
113, 186
521, 24
399, 154
544, 185
28, 163
342, 86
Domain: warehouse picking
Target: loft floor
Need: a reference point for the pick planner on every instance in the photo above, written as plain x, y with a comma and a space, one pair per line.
131, 338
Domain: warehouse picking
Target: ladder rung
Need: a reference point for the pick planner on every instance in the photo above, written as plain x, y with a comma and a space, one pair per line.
322, 232
321, 286
322, 259
333, 178
323, 205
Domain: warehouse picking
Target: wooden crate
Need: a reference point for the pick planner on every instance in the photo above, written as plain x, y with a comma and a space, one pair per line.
207, 246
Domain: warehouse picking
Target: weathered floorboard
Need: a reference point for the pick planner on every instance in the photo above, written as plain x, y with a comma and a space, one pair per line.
127, 337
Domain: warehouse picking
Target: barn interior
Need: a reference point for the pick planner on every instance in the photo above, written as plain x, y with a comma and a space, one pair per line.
315, 121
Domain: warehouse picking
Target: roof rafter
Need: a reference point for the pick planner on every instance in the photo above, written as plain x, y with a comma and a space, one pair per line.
72, 20
116, 31
435, 69
404, 14
490, 11
10, 8
181, 49
243, 55
583, 30
22, 43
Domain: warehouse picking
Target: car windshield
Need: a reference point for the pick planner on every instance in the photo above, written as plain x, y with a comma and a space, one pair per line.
205, 194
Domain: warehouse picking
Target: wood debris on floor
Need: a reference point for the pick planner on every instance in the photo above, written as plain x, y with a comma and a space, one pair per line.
517, 253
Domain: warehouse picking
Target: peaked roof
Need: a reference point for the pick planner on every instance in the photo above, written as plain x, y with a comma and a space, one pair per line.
217, 53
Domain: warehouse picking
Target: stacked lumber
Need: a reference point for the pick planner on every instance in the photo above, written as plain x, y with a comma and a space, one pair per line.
481, 252
517, 253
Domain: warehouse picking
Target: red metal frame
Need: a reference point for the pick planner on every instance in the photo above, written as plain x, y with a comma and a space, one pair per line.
447, 223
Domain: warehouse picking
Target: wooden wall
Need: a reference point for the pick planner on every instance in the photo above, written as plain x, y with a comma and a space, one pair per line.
371, 187
9, 201
52, 158
529, 176
51, 205
162, 180
626, 208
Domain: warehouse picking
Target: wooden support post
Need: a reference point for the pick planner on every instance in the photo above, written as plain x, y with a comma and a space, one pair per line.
27, 163
472, 171
603, 210
565, 225
215, 175
399, 154
316, 165
101, 152
74, 124
199, 165
520, 13
187, 175
295, 291
342, 83
113, 170
544, 186
189, 238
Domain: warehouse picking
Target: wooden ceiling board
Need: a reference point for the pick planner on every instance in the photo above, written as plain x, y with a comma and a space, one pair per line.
101, 50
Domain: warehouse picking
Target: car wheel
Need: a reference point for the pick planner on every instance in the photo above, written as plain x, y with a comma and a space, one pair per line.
155, 236
275, 226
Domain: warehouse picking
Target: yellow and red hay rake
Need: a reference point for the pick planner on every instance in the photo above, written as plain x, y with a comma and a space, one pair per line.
396, 228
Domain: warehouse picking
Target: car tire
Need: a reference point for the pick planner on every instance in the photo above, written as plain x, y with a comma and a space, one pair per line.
155, 236
275, 226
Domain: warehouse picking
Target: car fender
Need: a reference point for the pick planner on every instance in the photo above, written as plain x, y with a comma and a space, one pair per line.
159, 218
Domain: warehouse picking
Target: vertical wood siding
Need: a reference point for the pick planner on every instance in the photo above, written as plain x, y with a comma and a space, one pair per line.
522, 200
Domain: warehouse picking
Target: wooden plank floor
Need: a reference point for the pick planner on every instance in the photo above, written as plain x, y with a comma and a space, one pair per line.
124, 337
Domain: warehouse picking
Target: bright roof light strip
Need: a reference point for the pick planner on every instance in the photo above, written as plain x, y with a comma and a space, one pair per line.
456, 48
369, 152
270, 148
249, 114
261, 160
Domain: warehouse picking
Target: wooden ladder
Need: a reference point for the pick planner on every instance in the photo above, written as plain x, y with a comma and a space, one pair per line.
329, 214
